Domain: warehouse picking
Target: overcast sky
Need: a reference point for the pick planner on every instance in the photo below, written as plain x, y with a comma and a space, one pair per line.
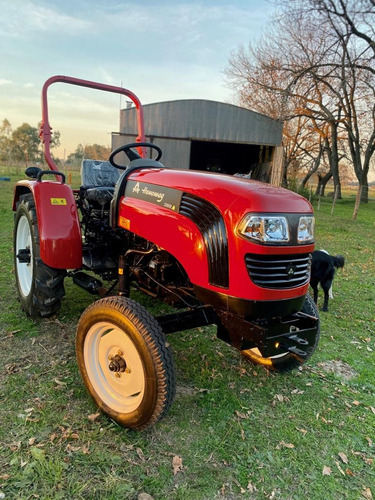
161, 50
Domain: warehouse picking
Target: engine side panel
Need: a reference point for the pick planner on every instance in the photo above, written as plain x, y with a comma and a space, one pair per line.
172, 232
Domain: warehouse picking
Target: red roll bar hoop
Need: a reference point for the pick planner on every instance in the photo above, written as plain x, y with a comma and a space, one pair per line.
45, 128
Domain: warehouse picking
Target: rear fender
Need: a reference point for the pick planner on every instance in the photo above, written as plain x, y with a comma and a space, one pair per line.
58, 222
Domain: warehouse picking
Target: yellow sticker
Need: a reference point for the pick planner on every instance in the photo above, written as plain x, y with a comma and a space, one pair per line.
125, 223
58, 201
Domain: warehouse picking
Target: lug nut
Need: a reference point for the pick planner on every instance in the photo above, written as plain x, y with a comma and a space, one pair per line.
127, 370
120, 352
117, 374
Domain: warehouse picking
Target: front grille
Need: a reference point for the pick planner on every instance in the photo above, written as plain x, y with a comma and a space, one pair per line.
279, 271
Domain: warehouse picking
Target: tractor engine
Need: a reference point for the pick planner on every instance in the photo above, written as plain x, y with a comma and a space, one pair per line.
101, 244
159, 275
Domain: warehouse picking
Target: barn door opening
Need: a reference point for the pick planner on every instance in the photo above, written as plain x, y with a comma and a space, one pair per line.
222, 157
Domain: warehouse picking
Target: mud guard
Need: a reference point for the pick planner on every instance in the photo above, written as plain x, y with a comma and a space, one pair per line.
58, 221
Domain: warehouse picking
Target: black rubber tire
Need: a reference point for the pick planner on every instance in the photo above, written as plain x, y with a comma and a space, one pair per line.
143, 396
289, 361
41, 291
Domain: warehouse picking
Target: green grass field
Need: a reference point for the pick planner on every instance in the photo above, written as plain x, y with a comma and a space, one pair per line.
234, 430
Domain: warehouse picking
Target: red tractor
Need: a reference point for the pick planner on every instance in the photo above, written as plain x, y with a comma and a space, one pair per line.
220, 249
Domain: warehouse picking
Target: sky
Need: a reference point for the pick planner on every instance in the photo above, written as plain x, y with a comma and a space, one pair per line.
161, 50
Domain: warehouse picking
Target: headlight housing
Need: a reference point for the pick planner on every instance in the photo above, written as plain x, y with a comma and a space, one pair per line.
265, 228
292, 229
306, 229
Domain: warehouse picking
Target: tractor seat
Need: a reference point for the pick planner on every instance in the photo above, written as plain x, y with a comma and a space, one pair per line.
98, 180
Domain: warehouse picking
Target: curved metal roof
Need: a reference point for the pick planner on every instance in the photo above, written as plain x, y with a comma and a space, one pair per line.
198, 119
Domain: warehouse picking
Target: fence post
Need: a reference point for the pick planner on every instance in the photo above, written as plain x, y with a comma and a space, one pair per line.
357, 202
334, 200
320, 194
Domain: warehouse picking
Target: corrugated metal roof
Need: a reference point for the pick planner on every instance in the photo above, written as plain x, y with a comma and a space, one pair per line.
198, 119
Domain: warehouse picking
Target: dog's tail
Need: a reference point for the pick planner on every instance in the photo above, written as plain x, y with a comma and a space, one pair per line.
338, 261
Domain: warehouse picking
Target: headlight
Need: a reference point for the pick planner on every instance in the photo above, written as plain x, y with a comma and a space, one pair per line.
266, 229
306, 229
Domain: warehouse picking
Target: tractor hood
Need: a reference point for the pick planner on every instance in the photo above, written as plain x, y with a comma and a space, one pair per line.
227, 193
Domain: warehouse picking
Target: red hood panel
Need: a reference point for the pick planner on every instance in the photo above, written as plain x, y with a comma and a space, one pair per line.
227, 192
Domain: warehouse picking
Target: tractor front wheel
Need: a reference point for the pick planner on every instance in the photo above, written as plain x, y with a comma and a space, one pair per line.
125, 363
40, 287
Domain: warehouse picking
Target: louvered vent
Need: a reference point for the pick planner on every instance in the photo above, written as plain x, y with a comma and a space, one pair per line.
279, 271
211, 224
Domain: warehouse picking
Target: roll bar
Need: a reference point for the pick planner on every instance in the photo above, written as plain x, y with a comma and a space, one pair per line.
45, 128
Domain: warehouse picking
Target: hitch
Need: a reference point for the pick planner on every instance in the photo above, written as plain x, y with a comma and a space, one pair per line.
293, 348
295, 334
298, 340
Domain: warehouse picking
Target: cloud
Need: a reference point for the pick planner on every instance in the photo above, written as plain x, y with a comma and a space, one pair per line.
5, 82
18, 18
168, 32
107, 78
28, 85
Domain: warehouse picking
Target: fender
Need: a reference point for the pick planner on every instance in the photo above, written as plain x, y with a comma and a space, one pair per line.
58, 222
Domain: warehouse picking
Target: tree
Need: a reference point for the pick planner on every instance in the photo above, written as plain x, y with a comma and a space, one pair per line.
5, 141
285, 68
6, 128
94, 151
25, 144
317, 73
22, 144
350, 17
351, 25
97, 152
76, 157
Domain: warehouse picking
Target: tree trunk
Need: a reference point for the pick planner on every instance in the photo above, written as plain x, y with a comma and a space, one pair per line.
335, 160
313, 169
284, 182
322, 182
364, 187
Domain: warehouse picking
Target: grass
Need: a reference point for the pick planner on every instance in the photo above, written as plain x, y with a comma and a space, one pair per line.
240, 431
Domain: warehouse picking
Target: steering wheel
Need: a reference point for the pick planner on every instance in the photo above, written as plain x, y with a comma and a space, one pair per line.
133, 155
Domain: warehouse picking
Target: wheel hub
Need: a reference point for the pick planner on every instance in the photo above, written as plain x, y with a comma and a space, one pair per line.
24, 256
117, 364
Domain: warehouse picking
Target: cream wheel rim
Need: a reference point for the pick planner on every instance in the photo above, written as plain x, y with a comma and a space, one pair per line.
121, 390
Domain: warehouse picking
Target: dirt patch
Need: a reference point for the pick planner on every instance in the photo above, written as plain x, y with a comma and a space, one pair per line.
185, 391
339, 368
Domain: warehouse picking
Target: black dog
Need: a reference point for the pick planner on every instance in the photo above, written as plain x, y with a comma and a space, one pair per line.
323, 269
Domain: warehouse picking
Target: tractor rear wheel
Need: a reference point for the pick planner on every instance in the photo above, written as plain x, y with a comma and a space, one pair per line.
40, 287
286, 361
125, 363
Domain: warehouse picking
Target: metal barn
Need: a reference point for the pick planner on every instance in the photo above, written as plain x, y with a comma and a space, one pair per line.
209, 135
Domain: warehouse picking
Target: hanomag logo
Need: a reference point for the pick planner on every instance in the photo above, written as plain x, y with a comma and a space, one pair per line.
160, 195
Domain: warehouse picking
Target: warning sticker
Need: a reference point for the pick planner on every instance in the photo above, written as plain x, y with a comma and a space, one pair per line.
58, 201
125, 223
